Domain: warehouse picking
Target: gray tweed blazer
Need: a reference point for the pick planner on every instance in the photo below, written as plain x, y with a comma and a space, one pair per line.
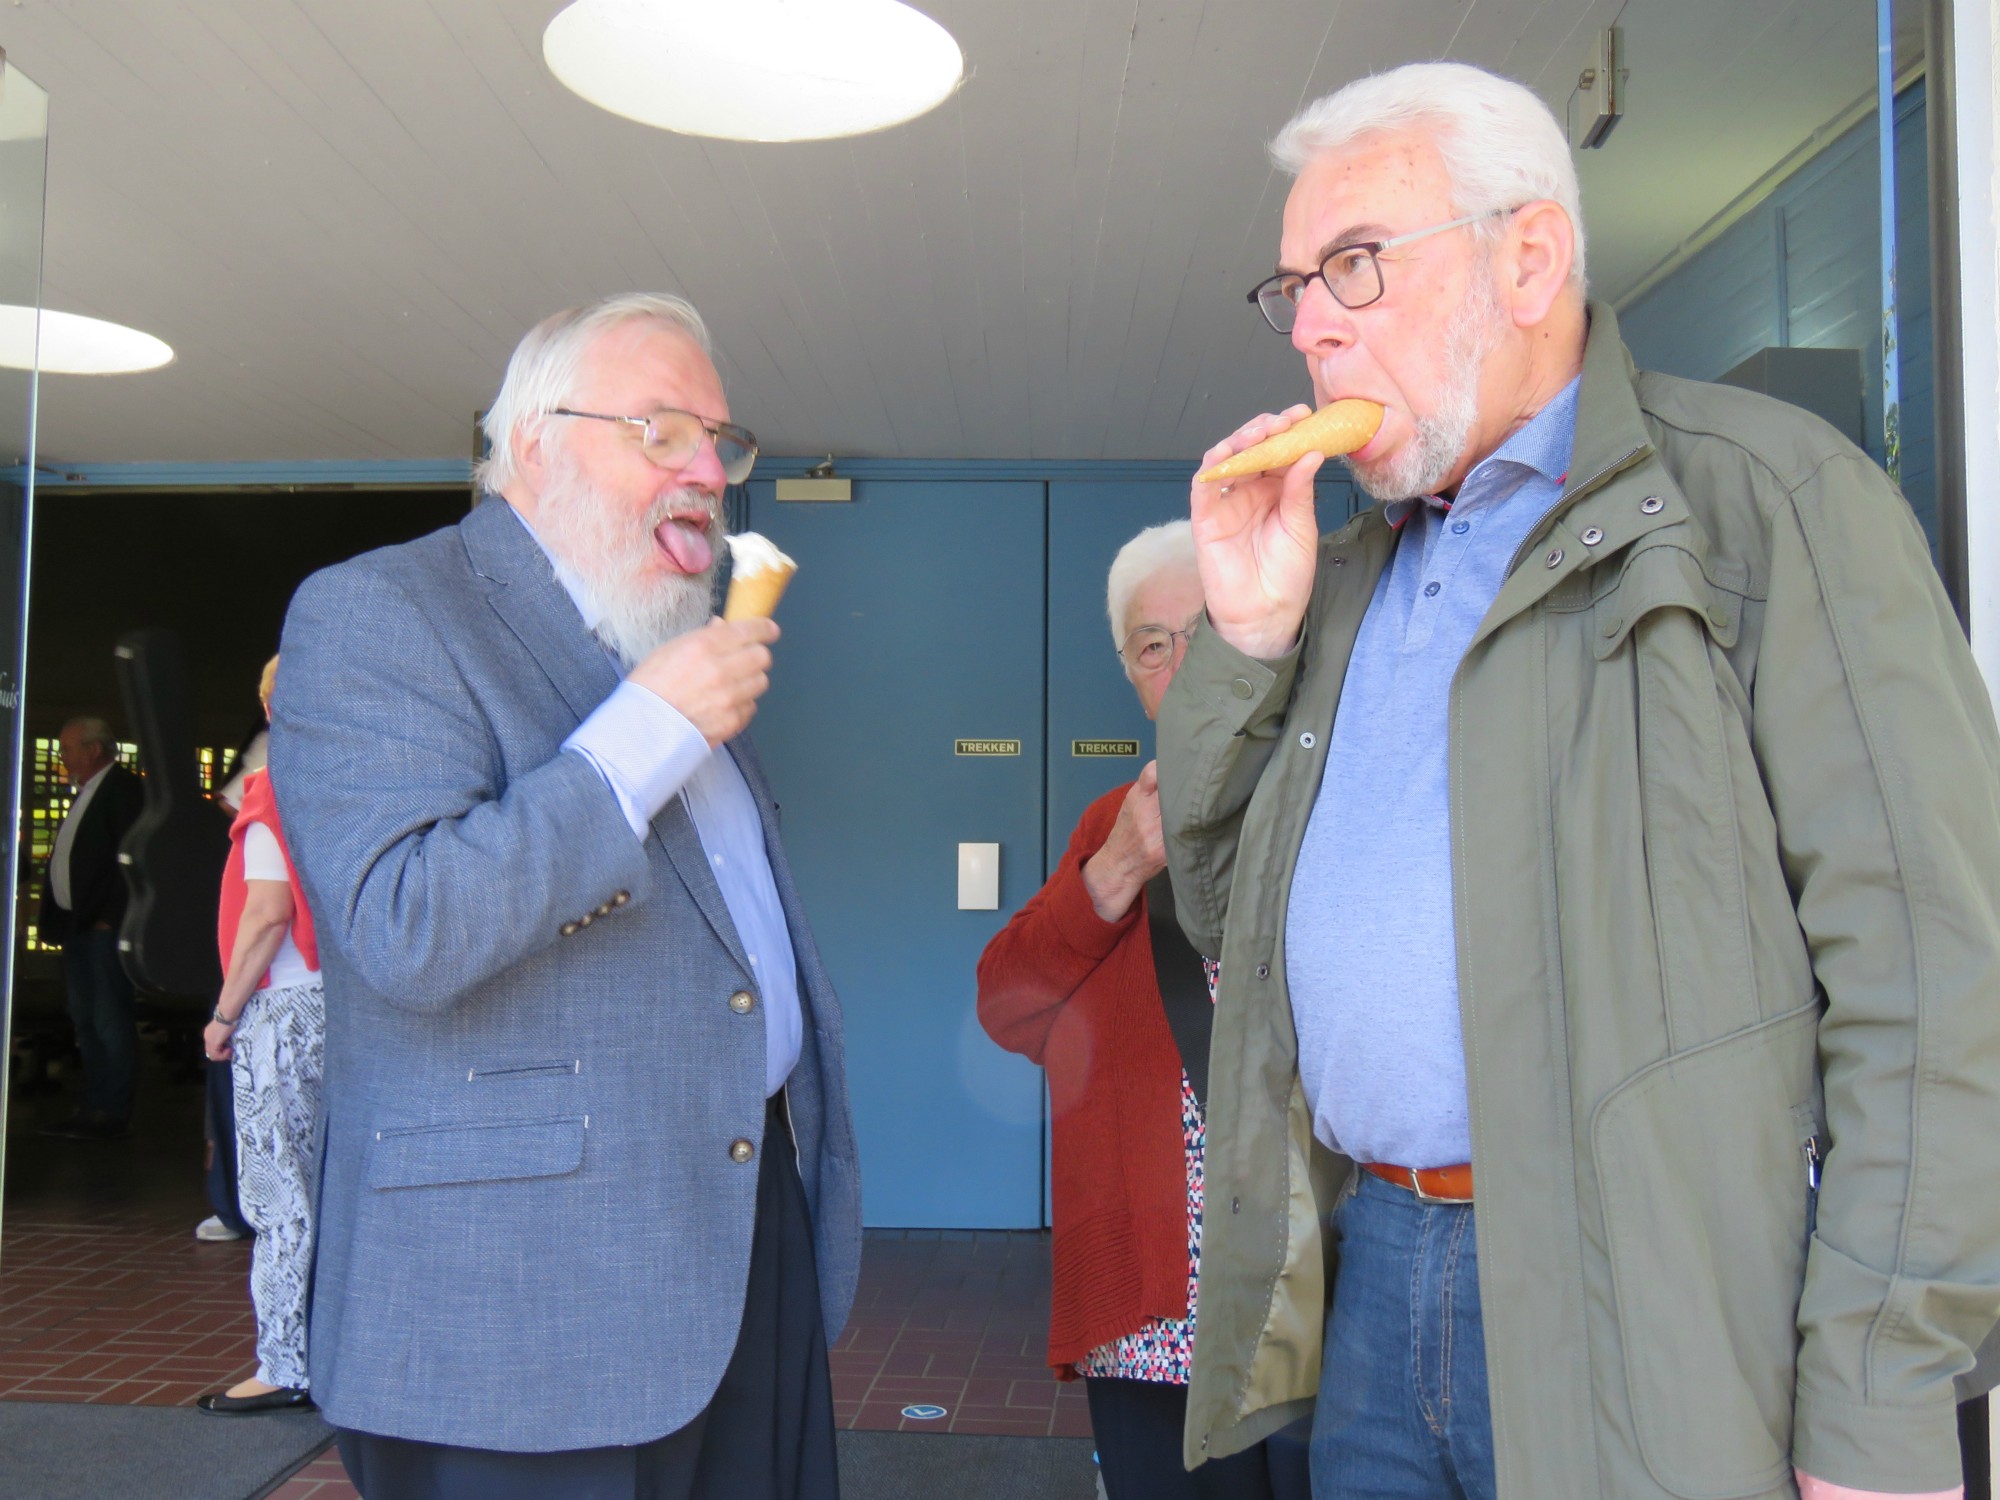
532, 1233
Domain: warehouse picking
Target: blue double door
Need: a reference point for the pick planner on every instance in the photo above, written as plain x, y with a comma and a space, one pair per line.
925, 614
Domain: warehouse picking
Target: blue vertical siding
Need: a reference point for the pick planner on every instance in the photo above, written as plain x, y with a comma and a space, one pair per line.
1803, 269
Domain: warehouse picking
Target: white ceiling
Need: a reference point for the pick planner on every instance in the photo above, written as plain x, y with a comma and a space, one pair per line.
343, 213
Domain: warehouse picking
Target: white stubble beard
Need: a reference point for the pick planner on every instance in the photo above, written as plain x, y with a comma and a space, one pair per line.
605, 559
1440, 438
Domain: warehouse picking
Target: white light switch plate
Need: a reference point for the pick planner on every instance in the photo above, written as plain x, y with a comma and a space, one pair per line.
979, 877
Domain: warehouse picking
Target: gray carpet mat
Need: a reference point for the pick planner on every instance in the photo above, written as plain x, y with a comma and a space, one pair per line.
58, 1451
964, 1466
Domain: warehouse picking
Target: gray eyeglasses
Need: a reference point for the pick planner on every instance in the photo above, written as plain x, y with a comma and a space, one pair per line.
671, 438
1351, 272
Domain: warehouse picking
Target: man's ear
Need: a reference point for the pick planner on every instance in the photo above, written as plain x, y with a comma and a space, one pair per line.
531, 454
1541, 248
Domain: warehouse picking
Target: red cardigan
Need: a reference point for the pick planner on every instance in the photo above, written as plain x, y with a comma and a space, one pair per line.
259, 806
1078, 995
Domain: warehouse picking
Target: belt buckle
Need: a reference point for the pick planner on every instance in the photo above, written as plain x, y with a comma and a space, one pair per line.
1417, 1187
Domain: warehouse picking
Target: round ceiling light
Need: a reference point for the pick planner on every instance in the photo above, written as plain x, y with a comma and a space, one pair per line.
74, 345
755, 70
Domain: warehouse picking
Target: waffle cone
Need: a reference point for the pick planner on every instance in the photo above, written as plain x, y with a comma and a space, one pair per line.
1336, 428
754, 596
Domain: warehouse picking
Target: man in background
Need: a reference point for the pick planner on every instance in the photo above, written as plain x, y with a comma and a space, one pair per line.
83, 901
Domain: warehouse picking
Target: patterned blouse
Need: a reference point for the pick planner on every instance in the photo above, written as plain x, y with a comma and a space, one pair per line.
1162, 1349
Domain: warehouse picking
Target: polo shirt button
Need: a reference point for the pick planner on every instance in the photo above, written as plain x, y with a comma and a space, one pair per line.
741, 1151
1241, 687
1430, 590
742, 1002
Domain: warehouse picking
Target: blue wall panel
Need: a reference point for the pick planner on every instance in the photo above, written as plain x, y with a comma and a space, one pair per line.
1803, 269
916, 619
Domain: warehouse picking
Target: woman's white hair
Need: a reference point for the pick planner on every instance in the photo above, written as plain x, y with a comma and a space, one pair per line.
1502, 147
1156, 550
543, 370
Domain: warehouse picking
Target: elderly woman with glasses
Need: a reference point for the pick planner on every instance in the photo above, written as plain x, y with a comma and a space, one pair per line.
1093, 980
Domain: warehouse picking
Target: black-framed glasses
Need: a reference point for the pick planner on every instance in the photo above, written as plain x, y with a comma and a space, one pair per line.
1151, 647
1353, 273
671, 438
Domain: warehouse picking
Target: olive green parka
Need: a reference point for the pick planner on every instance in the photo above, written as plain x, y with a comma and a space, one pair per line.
1725, 803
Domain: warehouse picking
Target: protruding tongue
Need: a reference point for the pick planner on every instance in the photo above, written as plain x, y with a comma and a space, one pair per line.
686, 546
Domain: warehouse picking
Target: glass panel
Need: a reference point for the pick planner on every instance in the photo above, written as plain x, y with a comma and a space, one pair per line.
24, 115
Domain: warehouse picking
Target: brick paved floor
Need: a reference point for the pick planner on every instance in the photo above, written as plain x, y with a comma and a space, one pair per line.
106, 1296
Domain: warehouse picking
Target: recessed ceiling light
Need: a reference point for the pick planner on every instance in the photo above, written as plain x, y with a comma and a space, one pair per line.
755, 70
73, 345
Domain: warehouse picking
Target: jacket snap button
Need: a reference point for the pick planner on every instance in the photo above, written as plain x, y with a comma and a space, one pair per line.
1241, 687
741, 1151
1612, 627
1236, 1205
1719, 617
1263, 971
1652, 505
1554, 559
1307, 740
621, 898
742, 1002
568, 929
1592, 535
1337, 560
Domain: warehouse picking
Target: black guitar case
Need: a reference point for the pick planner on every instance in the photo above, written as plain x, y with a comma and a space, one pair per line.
174, 854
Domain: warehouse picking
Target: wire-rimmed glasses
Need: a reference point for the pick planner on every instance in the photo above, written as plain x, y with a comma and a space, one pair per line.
1151, 647
671, 438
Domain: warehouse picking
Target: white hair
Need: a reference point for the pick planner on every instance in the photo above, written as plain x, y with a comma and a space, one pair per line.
1156, 550
1502, 146
544, 367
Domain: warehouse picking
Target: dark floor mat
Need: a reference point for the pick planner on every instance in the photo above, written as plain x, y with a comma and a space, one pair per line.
964, 1466
59, 1451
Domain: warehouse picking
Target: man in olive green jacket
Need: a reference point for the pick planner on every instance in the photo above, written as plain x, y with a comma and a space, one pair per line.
1716, 916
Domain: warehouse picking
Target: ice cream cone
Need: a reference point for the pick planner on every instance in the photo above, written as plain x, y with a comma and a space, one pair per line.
1336, 428
754, 596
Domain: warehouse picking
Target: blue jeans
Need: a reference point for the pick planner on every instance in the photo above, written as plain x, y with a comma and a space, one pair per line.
100, 1007
1402, 1411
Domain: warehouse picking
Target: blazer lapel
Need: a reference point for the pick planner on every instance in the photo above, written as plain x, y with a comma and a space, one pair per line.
526, 594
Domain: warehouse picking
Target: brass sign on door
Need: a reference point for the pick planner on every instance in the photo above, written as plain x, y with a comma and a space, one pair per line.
1089, 748
985, 747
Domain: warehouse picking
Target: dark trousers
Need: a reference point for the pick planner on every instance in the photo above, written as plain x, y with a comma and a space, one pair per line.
1137, 1425
100, 1007
219, 1109
767, 1434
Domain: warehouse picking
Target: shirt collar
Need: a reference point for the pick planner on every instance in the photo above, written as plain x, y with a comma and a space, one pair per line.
1541, 445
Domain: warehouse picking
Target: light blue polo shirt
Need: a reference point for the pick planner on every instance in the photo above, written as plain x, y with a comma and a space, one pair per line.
1370, 944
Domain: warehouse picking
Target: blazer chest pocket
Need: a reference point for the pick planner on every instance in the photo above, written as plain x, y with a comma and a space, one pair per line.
496, 1151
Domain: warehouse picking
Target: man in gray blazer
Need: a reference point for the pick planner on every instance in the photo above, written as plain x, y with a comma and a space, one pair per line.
590, 1211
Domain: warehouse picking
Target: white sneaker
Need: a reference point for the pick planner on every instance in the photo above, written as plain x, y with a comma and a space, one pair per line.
212, 1228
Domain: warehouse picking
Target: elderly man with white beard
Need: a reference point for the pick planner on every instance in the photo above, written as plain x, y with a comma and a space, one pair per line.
590, 1211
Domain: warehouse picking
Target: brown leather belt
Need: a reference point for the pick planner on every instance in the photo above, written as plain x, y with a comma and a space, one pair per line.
1432, 1184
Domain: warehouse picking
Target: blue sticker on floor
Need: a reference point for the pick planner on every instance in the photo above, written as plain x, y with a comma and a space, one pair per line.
924, 1413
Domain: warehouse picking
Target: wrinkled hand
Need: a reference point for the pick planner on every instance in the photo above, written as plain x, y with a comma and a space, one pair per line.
217, 1041
713, 676
1818, 1489
1134, 852
1256, 542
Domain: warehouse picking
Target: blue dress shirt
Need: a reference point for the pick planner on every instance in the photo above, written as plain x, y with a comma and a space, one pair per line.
1371, 946
647, 752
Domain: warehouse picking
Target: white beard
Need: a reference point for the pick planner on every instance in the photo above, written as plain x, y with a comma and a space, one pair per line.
1474, 332
604, 559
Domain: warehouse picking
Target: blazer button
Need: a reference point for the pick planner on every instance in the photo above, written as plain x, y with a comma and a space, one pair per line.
741, 1151
742, 1002
621, 898
569, 929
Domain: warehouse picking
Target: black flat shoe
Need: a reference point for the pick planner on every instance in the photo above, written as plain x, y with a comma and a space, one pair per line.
285, 1398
